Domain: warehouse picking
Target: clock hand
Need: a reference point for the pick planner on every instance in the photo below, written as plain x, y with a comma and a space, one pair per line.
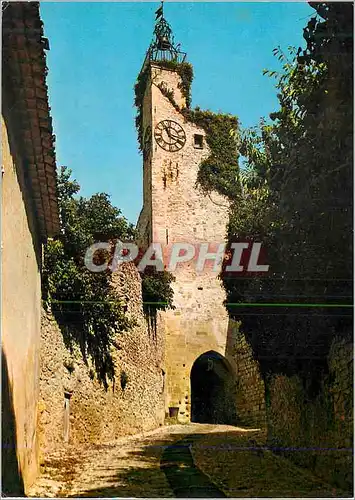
173, 136
167, 131
170, 135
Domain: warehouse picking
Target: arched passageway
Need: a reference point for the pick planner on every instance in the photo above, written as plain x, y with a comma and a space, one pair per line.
212, 390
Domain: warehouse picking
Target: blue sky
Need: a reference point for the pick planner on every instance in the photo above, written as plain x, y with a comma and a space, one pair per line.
96, 51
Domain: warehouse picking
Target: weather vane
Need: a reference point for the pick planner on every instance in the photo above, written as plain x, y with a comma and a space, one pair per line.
160, 11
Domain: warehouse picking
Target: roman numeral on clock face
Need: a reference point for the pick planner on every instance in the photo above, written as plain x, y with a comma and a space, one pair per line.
170, 135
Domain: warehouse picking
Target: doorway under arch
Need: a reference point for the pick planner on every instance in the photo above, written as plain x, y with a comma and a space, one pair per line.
212, 390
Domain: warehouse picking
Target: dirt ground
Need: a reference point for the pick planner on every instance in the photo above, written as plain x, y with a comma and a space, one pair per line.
233, 460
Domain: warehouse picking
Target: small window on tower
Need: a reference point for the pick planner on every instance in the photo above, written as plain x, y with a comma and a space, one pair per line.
198, 141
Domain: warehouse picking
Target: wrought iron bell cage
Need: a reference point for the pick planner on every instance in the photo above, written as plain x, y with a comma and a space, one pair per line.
163, 47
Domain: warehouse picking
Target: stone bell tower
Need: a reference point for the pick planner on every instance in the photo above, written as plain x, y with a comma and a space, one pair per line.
175, 211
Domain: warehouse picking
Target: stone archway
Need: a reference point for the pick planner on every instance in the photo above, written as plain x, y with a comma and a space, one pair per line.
212, 390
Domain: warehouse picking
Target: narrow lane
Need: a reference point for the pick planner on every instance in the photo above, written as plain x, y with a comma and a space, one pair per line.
178, 461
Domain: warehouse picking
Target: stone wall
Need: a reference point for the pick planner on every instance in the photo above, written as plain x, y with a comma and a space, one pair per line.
20, 319
133, 403
250, 387
318, 432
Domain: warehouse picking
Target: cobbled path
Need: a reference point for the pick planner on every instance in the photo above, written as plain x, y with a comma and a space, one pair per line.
178, 461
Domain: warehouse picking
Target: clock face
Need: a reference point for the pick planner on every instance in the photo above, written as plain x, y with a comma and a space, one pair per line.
170, 135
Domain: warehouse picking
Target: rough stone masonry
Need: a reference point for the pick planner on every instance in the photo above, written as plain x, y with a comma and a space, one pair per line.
75, 406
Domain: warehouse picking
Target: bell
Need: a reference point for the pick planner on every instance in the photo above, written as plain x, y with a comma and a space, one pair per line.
163, 43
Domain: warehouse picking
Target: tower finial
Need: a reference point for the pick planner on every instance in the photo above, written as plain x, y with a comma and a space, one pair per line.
163, 47
160, 12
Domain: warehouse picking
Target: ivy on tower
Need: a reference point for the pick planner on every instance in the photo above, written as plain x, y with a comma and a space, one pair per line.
220, 171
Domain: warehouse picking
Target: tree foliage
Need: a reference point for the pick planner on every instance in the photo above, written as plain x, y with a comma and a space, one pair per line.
296, 198
83, 301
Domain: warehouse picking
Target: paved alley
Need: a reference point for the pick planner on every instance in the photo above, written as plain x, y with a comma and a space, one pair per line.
195, 460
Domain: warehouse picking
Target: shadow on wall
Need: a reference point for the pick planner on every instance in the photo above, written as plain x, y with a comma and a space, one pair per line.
12, 482
22, 169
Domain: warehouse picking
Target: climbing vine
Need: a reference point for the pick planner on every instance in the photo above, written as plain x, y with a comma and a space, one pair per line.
169, 94
139, 90
220, 171
185, 71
